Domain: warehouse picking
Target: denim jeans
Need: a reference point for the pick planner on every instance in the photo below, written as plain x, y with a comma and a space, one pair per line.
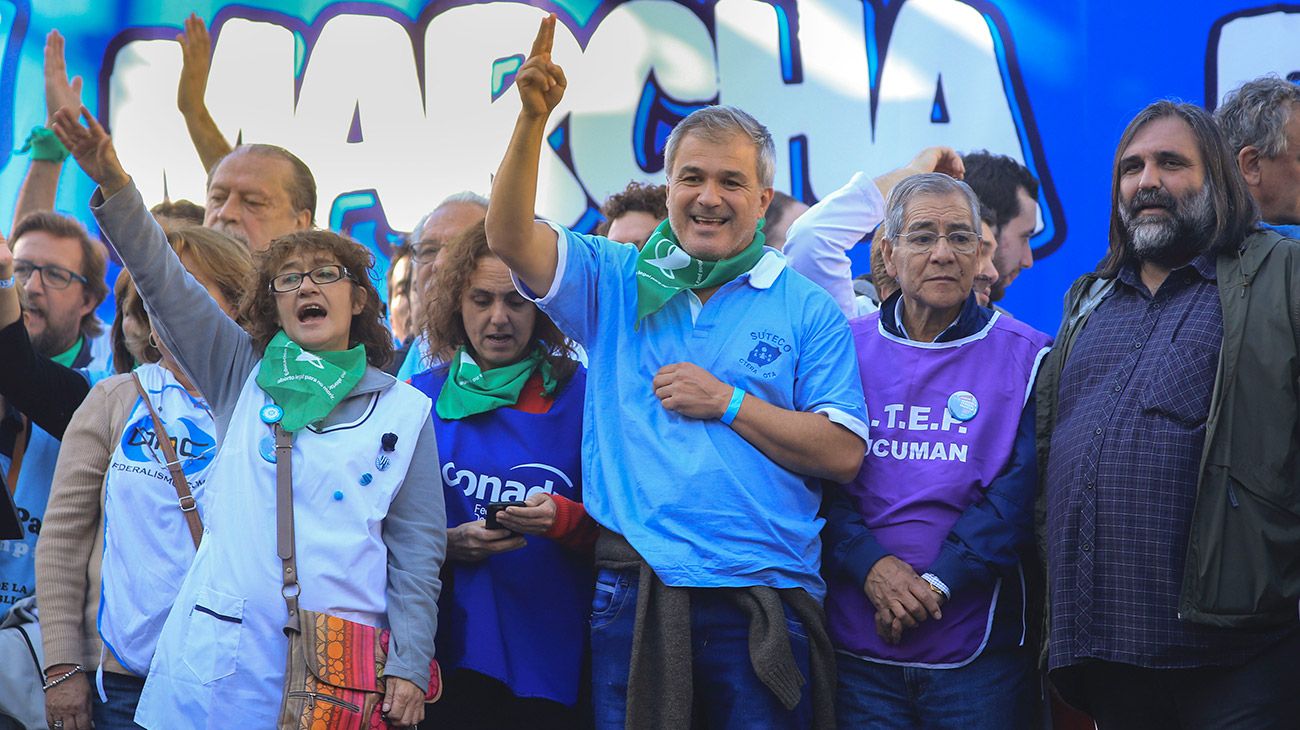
123, 692
727, 693
993, 692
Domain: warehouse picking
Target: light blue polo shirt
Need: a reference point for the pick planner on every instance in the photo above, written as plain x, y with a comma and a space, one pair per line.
698, 502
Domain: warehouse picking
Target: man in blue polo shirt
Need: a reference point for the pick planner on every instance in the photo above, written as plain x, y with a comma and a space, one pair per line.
721, 387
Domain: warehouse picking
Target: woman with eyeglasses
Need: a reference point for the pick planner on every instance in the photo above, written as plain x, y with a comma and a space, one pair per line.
368, 525
116, 543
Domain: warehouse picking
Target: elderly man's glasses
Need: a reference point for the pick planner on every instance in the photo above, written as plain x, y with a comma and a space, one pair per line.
962, 242
292, 280
55, 277
425, 252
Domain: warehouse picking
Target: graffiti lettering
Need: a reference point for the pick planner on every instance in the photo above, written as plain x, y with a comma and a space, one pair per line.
367, 112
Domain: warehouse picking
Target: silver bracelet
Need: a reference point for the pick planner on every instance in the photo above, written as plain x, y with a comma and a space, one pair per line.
60, 680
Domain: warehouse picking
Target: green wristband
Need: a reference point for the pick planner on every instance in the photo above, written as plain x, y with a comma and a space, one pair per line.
43, 146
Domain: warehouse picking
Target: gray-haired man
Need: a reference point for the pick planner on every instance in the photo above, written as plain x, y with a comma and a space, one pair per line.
1261, 121
721, 388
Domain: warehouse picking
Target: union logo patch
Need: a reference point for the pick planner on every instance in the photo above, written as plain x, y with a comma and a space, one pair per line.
763, 354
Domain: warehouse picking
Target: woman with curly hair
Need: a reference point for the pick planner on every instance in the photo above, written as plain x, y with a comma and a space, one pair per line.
328, 504
508, 410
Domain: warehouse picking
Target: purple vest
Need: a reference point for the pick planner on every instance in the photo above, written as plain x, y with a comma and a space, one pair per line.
943, 423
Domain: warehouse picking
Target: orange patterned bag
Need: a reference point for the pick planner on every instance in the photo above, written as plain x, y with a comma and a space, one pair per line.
335, 677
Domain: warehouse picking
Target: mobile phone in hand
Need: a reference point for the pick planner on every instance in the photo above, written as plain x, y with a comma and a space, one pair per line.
493, 508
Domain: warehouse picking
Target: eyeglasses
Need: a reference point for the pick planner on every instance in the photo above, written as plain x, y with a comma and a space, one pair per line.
323, 275
962, 242
425, 252
55, 277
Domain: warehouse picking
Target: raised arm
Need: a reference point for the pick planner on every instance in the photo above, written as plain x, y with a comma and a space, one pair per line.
527, 246
196, 53
213, 350
41, 184
818, 243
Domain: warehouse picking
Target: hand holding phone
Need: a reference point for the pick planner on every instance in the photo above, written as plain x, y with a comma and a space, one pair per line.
493, 509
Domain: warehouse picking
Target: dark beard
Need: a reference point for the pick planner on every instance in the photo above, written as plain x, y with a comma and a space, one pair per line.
1173, 241
49, 343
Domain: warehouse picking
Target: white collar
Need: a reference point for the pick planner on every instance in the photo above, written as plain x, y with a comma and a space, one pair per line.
768, 268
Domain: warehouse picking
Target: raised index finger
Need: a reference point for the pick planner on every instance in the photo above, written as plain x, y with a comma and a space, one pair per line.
54, 50
545, 37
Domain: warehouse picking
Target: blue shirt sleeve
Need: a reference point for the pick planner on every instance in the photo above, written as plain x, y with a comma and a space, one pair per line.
826, 380
583, 265
987, 539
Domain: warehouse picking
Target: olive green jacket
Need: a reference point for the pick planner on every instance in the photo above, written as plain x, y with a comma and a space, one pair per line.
1243, 551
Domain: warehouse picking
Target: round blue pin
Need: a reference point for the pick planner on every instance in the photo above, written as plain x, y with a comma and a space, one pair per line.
338, 496
271, 413
366, 479
266, 447
963, 405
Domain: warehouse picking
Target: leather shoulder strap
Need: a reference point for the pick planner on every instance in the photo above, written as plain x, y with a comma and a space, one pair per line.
284, 541
186, 498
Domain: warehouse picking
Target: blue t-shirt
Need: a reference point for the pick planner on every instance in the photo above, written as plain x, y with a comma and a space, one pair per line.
703, 506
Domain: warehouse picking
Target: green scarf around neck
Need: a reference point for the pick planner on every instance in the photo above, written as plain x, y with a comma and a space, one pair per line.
69, 356
308, 385
469, 389
664, 269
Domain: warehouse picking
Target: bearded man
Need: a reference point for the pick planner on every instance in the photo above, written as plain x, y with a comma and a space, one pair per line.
1169, 431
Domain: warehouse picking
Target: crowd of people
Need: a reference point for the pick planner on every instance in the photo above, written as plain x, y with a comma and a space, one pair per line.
685, 471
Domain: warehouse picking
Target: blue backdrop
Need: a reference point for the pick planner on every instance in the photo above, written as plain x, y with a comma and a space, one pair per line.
395, 105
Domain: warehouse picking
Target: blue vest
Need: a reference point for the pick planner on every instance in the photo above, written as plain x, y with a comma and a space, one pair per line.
18, 557
519, 617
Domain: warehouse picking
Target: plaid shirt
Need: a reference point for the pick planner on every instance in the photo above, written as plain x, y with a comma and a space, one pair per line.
1121, 480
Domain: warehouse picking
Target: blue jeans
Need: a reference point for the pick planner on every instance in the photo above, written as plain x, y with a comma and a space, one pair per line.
123, 692
727, 693
994, 692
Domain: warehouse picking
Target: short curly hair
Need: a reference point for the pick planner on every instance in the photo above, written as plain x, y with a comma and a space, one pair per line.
444, 327
257, 310
635, 198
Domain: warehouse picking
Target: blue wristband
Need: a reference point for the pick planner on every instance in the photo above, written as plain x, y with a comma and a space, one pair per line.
737, 395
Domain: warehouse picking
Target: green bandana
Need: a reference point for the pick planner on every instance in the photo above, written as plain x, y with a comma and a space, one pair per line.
43, 146
663, 268
469, 389
307, 385
70, 356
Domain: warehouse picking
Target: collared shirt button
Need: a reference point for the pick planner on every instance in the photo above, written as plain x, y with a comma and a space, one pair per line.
1097, 432
1137, 345
1086, 547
